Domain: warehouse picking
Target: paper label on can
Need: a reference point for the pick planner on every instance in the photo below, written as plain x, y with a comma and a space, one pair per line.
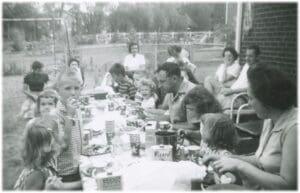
162, 153
110, 183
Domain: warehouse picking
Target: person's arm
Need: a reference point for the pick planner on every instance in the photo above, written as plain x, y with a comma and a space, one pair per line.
249, 159
184, 126
165, 103
229, 91
132, 91
287, 178
26, 91
77, 185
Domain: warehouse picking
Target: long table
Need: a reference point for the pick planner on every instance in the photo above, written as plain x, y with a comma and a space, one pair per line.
137, 172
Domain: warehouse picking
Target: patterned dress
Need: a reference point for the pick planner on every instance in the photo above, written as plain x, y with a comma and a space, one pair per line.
48, 171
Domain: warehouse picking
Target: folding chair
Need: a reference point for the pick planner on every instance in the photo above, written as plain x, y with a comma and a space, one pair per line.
247, 124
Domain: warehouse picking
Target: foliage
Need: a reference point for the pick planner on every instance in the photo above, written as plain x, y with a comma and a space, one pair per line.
17, 39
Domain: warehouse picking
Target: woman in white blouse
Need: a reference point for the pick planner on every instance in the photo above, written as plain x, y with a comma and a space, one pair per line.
134, 61
226, 73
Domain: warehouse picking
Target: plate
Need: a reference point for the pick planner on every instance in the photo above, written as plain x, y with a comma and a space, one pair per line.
96, 150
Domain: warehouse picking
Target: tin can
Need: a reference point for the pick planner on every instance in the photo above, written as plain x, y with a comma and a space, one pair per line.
86, 137
135, 143
193, 153
109, 181
162, 152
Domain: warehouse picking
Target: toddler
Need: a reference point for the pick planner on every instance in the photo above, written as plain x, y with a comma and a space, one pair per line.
146, 94
46, 102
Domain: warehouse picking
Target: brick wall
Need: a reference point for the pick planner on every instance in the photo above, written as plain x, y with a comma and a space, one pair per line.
274, 29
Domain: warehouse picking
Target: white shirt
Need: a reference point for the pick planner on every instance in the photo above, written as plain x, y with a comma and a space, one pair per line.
232, 70
134, 63
242, 81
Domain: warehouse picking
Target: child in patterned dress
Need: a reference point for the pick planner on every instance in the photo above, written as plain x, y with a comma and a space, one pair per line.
40, 150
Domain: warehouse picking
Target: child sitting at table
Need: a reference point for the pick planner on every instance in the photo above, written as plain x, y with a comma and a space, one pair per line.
218, 134
46, 102
125, 85
146, 94
41, 146
69, 88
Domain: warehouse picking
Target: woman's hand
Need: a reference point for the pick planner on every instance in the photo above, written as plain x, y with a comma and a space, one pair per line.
53, 183
225, 164
210, 158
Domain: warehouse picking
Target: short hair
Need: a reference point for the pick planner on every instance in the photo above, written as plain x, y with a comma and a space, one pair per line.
272, 87
222, 130
174, 50
255, 48
171, 69
37, 65
47, 93
133, 44
149, 83
232, 51
118, 69
38, 132
73, 60
204, 100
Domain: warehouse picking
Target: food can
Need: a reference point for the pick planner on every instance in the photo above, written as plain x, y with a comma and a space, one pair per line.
109, 181
86, 137
162, 152
193, 153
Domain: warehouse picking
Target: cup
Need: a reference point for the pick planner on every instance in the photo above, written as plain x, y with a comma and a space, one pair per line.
193, 153
135, 143
164, 125
110, 130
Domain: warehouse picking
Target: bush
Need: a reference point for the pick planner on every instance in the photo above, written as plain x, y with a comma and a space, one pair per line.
18, 38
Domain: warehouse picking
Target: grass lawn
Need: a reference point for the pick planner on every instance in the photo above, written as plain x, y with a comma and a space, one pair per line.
13, 129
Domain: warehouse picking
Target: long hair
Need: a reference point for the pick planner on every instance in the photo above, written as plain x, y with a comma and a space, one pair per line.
38, 133
222, 130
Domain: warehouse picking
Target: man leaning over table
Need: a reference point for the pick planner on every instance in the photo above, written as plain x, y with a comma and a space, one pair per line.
170, 80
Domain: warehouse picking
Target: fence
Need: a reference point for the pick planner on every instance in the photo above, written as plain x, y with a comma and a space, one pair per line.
144, 37
101, 56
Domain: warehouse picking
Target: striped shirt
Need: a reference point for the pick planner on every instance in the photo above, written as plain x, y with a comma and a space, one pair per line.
127, 88
68, 160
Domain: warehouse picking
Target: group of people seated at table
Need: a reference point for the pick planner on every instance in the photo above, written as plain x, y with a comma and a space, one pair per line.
52, 148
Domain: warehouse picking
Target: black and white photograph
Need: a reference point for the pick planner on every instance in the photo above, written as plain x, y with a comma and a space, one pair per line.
149, 95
